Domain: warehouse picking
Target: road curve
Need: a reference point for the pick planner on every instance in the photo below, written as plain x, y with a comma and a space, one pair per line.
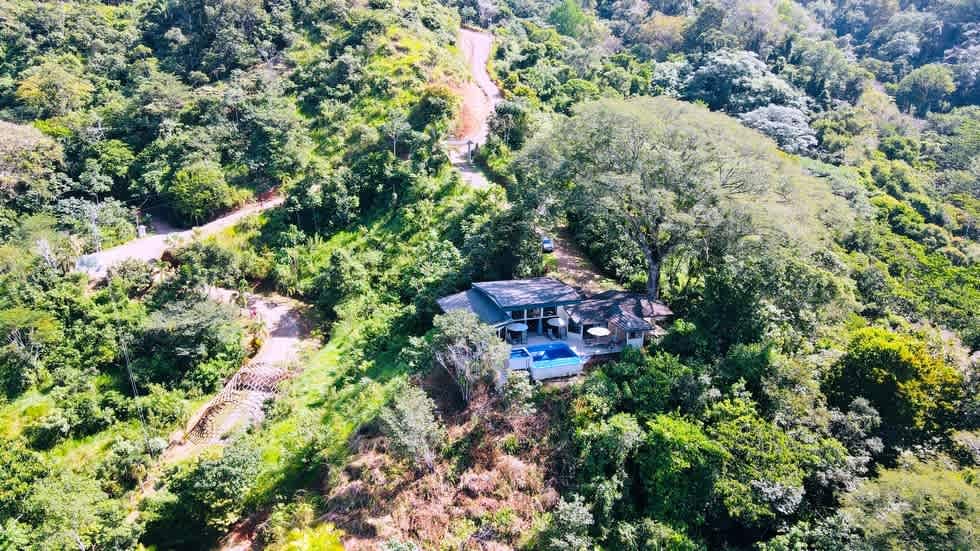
151, 247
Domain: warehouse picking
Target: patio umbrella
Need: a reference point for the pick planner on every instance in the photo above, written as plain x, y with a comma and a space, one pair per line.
517, 327
599, 332
556, 322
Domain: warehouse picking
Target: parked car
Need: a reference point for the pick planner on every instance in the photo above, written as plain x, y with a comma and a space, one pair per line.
547, 245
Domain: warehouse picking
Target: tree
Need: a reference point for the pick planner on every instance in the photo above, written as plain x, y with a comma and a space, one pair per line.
203, 497
787, 125
925, 88
738, 81
70, 511
913, 390
678, 468
511, 122
763, 476
55, 87
570, 523
28, 164
664, 173
467, 349
19, 469
412, 428
395, 128
568, 18
199, 191
195, 343
917, 506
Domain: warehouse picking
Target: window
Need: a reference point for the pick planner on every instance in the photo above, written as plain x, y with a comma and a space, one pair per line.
573, 326
517, 315
550, 311
634, 335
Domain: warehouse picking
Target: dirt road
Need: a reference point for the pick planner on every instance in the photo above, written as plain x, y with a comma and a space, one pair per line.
480, 96
151, 247
240, 402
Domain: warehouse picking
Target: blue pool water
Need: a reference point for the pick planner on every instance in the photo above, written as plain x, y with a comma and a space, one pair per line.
556, 354
551, 351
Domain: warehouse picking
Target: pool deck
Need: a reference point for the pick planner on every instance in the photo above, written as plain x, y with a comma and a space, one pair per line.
575, 343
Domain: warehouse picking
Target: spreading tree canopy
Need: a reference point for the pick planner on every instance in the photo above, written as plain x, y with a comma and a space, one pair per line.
670, 176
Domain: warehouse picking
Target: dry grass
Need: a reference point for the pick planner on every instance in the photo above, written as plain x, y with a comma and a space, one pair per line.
487, 489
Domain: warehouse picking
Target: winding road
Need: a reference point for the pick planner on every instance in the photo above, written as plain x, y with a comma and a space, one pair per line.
480, 96
152, 247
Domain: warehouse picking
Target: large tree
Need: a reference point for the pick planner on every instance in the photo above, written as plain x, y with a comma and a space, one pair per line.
670, 176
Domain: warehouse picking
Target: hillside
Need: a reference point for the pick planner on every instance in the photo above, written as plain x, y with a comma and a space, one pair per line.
796, 182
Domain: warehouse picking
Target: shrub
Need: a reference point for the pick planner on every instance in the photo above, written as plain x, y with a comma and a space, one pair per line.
203, 497
519, 393
570, 524
412, 428
48, 430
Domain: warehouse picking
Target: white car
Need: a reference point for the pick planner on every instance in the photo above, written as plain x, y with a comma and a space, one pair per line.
547, 245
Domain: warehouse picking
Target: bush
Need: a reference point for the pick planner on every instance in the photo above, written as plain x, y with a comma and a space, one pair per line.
411, 426
127, 463
199, 191
48, 430
569, 528
203, 497
519, 393
162, 408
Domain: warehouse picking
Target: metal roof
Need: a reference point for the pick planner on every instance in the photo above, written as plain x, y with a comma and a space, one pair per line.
529, 293
475, 302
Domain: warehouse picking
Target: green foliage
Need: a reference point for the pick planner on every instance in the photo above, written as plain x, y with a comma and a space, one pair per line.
569, 18
203, 497
202, 339
569, 526
918, 506
764, 476
20, 468
467, 349
519, 393
679, 466
199, 191
914, 391
739, 82
925, 88
55, 87
68, 510
412, 428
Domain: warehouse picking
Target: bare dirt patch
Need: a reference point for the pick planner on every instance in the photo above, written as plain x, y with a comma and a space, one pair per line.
575, 268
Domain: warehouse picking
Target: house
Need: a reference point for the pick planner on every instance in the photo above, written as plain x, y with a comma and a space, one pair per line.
552, 327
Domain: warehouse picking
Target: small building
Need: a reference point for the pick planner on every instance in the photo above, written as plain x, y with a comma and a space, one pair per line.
541, 317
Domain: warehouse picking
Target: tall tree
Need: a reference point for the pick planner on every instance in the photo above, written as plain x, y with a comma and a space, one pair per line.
669, 175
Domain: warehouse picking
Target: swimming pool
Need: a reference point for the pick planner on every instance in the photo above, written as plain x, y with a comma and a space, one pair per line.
551, 352
546, 361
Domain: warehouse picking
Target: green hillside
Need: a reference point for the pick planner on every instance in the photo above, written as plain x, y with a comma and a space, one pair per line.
798, 180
